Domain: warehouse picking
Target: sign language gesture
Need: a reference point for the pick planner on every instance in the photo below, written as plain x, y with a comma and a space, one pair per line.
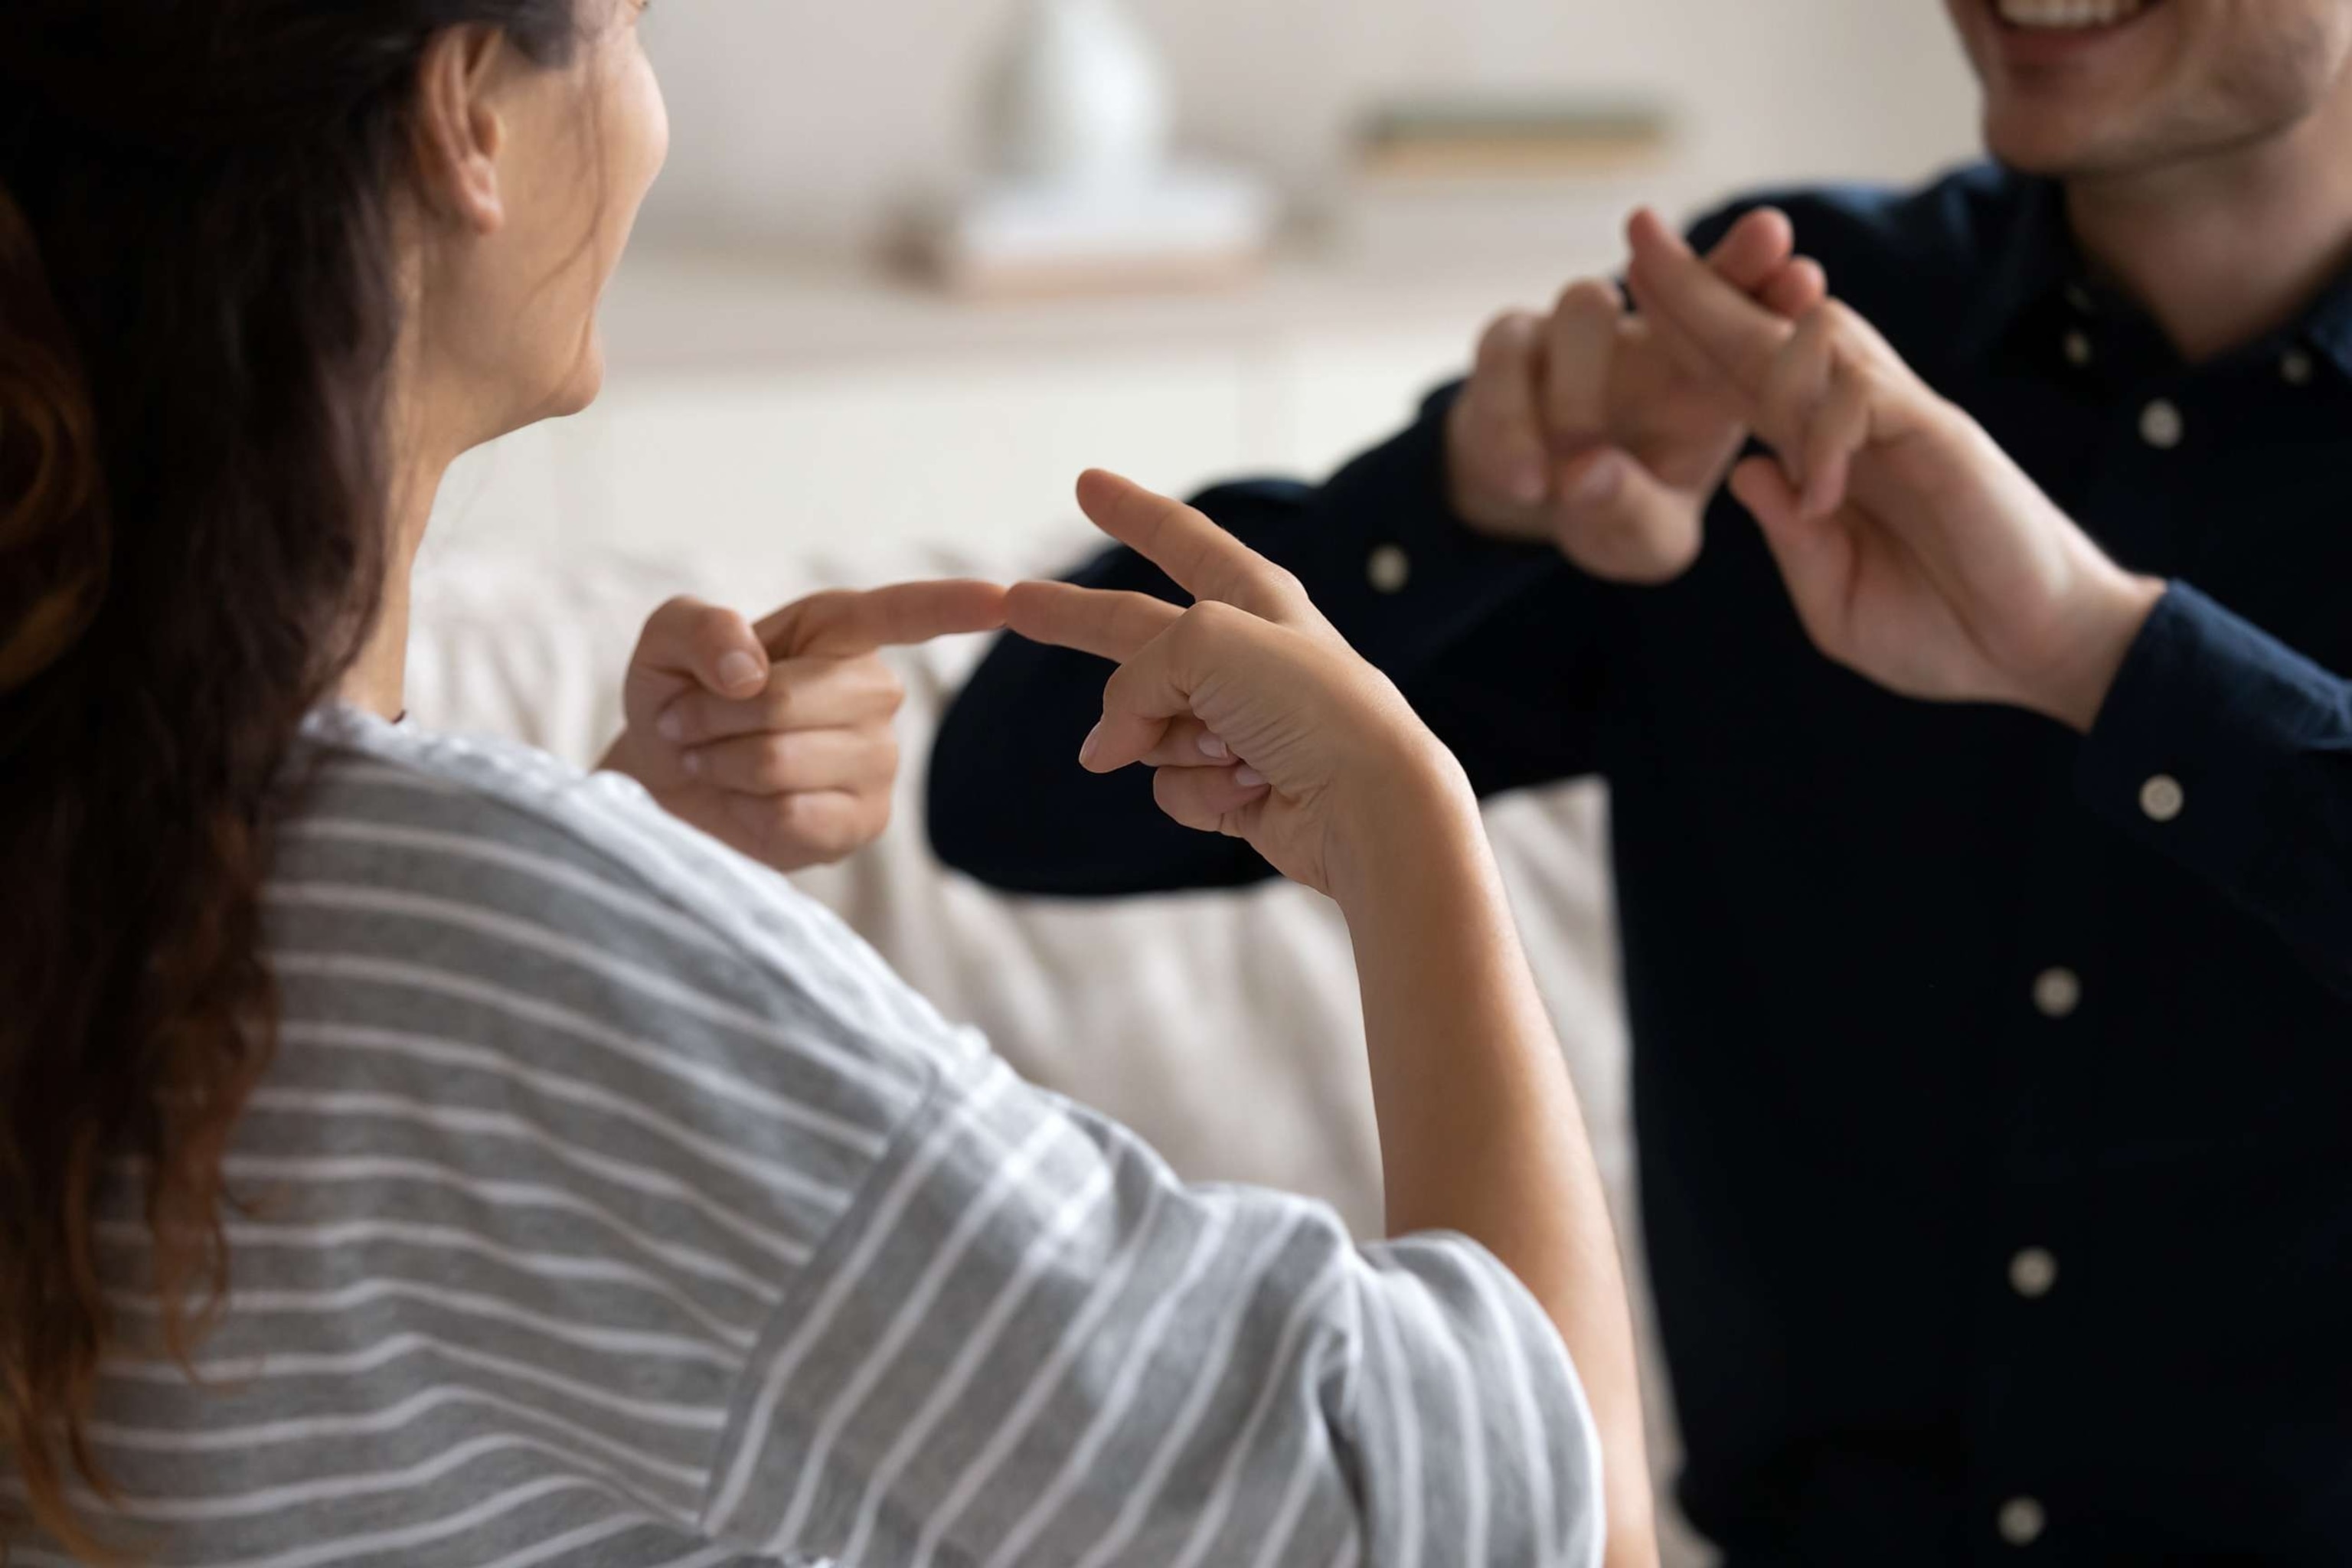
776, 738
1580, 428
1261, 722
1258, 719
1916, 551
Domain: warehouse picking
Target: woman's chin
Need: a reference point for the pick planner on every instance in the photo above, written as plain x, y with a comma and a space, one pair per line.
580, 387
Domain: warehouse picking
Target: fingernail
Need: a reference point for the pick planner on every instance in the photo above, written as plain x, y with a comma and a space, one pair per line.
671, 725
1599, 481
1086, 752
692, 763
738, 669
1215, 748
1248, 777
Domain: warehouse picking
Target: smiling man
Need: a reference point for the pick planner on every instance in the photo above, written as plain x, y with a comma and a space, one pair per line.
1992, 1145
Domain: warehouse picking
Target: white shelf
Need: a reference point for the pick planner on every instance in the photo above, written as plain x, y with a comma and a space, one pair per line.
767, 406
717, 311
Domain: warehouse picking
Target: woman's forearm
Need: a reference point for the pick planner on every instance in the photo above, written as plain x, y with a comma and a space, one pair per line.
1480, 1129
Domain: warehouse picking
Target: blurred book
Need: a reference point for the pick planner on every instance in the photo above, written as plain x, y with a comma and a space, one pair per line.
1450, 182
1190, 226
1491, 138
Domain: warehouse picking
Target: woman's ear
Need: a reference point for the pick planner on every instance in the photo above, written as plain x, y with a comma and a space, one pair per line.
458, 134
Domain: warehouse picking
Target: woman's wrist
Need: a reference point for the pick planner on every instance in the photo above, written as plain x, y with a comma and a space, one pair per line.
1407, 809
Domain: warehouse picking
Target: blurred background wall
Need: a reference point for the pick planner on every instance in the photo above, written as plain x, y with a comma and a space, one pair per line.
803, 120
773, 384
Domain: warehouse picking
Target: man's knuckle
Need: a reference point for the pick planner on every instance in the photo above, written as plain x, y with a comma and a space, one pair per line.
1840, 323
1506, 340
1590, 297
777, 760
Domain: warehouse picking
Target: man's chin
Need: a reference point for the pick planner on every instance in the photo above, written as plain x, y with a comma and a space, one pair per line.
2052, 149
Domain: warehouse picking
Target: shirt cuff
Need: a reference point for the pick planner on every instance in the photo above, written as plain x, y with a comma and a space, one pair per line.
2206, 725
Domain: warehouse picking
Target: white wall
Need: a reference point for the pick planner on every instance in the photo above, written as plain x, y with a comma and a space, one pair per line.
803, 118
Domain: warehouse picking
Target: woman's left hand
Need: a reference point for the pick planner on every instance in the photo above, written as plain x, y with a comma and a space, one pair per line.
777, 738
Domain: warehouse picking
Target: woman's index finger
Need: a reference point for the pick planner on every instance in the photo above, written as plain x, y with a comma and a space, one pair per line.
1109, 624
849, 622
1199, 557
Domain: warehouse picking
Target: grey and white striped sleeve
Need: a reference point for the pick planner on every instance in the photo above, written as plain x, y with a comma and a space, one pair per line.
983, 1326
1028, 1342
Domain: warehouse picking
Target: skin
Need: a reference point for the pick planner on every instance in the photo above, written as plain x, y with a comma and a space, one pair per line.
1260, 723
2206, 153
775, 737
1917, 553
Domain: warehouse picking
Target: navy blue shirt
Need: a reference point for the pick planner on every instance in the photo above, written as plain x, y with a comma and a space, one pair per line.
1993, 1086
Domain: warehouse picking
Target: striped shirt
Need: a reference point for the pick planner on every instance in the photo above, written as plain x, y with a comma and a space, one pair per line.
608, 1202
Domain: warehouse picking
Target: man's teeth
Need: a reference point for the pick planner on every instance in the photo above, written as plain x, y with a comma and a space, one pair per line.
2057, 14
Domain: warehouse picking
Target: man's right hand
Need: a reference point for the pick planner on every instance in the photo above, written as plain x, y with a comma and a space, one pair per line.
1916, 551
1580, 428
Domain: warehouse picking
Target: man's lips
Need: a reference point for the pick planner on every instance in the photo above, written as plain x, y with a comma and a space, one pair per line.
2067, 15
2031, 33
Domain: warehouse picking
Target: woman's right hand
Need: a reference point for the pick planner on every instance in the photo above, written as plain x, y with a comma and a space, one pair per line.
1259, 720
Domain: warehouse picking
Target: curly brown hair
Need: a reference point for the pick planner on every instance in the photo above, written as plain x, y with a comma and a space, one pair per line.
198, 311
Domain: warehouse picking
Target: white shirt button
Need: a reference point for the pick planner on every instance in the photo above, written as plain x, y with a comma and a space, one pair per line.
2057, 993
1390, 569
2023, 1522
2160, 425
2296, 366
2032, 1273
2078, 347
2162, 798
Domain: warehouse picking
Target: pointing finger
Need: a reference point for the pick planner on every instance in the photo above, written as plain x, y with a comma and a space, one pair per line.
1203, 559
1754, 248
848, 622
1113, 625
1739, 336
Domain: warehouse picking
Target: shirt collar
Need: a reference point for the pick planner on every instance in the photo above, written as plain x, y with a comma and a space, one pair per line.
2034, 262
2036, 267
2328, 324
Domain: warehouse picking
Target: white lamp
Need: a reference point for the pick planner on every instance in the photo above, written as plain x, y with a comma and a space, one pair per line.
1081, 193
1078, 99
